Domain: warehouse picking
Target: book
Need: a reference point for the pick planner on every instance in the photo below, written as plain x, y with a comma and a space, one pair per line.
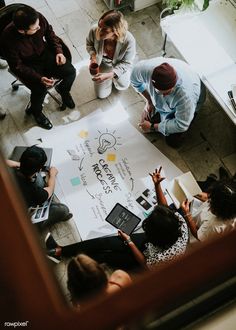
40, 212
121, 218
183, 187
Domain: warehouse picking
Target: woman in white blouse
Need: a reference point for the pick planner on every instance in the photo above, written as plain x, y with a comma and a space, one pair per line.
217, 215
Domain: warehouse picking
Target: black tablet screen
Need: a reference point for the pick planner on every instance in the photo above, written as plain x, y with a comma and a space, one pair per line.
123, 219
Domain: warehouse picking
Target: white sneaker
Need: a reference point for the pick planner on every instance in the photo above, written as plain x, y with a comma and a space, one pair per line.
3, 64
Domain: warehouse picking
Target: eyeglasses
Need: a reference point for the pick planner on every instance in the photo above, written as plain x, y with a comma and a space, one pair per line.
35, 29
228, 190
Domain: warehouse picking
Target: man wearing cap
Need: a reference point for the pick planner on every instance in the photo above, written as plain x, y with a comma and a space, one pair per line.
173, 94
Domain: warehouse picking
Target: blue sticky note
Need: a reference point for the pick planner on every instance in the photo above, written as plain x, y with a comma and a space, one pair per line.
75, 181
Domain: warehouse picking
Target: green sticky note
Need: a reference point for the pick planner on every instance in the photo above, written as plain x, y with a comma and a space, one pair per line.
75, 181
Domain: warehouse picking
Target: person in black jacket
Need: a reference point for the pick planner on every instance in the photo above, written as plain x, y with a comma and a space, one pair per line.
35, 55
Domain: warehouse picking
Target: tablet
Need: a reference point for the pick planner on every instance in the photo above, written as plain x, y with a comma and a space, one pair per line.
121, 218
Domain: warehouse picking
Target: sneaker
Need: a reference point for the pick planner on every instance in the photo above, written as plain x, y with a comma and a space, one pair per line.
68, 217
3, 64
50, 242
2, 113
66, 98
29, 111
51, 254
43, 121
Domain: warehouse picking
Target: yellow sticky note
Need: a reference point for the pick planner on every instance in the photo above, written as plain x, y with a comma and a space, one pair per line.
83, 134
111, 157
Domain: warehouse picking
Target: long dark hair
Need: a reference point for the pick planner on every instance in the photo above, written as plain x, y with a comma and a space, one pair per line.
222, 199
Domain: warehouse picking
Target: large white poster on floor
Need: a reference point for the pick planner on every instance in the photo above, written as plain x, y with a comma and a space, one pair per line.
102, 159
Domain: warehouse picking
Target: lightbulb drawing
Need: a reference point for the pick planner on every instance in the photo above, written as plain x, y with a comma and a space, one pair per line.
106, 141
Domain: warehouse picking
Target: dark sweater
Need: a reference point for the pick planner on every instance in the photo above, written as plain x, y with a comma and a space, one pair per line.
22, 51
32, 191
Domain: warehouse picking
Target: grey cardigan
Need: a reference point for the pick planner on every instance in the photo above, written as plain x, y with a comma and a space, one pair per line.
124, 53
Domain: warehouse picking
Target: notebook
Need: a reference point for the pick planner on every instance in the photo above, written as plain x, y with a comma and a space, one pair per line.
121, 218
18, 151
182, 187
40, 212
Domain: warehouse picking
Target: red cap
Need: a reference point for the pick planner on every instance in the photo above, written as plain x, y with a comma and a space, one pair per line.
164, 77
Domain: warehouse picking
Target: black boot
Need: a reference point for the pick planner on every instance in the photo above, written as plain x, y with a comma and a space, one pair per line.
224, 175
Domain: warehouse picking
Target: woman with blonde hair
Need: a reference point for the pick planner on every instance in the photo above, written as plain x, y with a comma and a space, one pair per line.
112, 47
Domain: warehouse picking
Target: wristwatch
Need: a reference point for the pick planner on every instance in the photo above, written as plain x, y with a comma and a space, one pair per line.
126, 242
152, 128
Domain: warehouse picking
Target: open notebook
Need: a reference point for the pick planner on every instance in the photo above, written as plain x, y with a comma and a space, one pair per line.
182, 187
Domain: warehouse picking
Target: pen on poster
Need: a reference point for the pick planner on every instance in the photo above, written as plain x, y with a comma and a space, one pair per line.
169, 195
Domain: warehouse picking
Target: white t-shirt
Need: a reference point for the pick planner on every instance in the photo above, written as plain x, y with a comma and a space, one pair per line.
209, 225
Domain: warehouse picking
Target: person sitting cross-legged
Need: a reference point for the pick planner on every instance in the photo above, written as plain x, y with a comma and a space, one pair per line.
35, 55
35, 190
173, 93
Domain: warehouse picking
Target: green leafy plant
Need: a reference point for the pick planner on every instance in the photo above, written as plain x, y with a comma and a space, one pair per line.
176, 4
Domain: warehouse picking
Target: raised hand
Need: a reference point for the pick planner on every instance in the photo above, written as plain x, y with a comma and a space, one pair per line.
156, 176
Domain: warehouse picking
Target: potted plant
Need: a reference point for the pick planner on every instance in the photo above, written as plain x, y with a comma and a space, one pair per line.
176, 4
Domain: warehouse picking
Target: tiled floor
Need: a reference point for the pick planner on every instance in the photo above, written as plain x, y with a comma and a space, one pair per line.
211, 142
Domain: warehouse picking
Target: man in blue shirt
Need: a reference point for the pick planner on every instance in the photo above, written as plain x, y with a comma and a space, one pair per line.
173, 94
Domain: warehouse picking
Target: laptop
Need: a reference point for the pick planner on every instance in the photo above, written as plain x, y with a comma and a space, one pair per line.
121, 218
18, 151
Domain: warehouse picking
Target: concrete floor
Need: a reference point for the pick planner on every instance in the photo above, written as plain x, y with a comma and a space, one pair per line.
211, 142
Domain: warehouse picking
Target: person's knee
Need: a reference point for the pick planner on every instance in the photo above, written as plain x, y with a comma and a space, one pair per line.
38, 89
121, 87
123, 82
68, 70
59, 212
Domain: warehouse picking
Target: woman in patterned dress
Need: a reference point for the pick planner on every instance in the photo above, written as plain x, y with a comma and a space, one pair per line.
165, 237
